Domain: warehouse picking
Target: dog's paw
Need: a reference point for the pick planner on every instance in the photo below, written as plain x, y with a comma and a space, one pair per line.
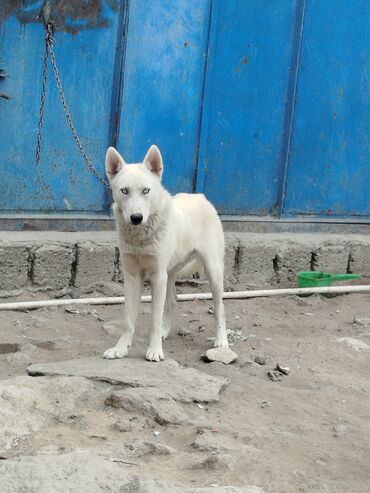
154, 355
221, 342
115, 352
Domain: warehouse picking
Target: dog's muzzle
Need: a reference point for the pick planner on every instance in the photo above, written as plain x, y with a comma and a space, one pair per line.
136, 218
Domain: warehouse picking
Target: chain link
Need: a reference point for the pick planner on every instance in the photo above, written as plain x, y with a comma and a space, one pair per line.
49, 50
42, 99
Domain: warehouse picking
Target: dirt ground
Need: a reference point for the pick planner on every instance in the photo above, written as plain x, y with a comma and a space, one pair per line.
307, 432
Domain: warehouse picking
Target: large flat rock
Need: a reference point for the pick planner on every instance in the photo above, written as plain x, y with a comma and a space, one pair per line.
182, 384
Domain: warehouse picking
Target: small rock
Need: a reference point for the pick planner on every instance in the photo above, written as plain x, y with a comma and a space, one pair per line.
183, 332
28, 348
282, 369
365, 321
355, 344
214, 462
274, 375
261, 360
246, 363
18, 359
265, 404
150, 448
339, 430
73, 311
222, 354
210, 310
122, 426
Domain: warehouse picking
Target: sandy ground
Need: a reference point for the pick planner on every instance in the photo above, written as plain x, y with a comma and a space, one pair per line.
307, 432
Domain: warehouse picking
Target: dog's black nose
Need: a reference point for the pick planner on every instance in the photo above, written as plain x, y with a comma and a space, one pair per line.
136, 218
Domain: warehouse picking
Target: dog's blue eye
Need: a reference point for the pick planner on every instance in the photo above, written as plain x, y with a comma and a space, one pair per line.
124, 190
146, 190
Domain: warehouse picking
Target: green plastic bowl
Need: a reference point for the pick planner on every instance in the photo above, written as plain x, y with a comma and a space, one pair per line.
321, 279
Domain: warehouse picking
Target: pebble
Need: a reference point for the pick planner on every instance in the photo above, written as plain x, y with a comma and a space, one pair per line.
282, 369
275, 375
183, 332
261, 360
222, 354
122, 426
355, 344
362, 321
339, 430
18, 359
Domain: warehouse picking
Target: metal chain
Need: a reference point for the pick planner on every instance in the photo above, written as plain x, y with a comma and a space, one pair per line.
42, 99
49, 44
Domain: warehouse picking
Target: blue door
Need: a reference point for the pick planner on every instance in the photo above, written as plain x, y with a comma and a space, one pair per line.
244, 107
85, 41
329, 171
163, 85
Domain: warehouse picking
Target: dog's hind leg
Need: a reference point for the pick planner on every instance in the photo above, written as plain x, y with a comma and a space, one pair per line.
213, 267
133, 289
171, 298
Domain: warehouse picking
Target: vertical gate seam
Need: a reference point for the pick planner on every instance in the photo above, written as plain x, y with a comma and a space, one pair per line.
290, 104
198, 177
117, 83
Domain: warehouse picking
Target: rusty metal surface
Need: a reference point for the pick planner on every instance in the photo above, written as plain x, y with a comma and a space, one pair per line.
71, 16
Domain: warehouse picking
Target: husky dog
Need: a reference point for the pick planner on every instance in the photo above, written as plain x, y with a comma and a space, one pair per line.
159, 235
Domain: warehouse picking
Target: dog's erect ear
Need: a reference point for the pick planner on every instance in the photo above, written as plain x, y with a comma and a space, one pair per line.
153, 161
113, 162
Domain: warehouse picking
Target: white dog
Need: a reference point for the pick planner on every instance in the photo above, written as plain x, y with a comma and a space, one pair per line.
159, 235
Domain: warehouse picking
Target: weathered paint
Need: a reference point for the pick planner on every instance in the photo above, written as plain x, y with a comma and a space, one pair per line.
245, 94
163, 81
60, 182
329, 171
71, 17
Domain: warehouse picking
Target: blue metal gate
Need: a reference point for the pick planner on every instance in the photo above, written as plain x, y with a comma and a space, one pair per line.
261, 104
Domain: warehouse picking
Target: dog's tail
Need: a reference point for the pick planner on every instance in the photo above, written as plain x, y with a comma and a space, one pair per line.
194, 268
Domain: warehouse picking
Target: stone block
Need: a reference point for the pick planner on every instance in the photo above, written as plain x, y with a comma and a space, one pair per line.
52, 266
360, 259
13, 267
95, 264
332, 257
255, 263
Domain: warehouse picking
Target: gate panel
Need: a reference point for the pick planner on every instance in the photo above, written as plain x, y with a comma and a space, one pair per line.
329, 172
85, 50
162, 91
246, 90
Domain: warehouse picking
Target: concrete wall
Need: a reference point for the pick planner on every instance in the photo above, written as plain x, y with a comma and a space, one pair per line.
52, 260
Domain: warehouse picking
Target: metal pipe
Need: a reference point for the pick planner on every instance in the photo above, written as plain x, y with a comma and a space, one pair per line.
237, 295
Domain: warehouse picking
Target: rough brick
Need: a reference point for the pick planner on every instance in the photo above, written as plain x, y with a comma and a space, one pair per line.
13, 267
255, 268
332, 258
292, 258
360, 259
95, 264
52, 266
231, 260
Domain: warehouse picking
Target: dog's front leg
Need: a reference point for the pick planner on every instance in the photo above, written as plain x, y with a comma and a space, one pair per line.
133, 288
159, 287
